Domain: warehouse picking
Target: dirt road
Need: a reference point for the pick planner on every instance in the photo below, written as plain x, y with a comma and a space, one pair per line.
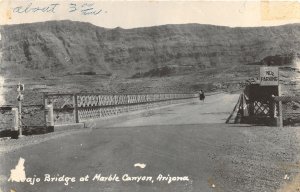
188, 140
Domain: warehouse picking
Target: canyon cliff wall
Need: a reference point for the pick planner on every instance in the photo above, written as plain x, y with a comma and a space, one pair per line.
67, 47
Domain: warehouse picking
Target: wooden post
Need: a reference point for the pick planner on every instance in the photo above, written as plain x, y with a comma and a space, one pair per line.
45, 104
20, 119
147, 100
115, 105
280, 108
127, 103
242, 104
20, 111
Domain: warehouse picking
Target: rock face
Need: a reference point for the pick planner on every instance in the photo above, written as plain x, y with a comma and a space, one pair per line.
67, 47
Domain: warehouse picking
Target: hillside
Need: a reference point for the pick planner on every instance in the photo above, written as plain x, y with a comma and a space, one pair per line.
83, 56
66, 47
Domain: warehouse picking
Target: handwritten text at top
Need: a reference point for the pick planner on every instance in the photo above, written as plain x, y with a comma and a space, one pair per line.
81, 8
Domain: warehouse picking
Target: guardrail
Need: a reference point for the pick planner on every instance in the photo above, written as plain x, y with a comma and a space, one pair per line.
75, 108
289, 109
8, 118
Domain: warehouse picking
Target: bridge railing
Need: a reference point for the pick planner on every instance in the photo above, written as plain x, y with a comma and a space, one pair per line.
74, 108
8, 118
289, 109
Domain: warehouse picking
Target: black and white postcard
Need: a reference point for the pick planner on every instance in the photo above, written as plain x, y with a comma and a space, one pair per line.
144, 96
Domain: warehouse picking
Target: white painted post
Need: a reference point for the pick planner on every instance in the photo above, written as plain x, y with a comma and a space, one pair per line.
15, 112
50, 118
275, 110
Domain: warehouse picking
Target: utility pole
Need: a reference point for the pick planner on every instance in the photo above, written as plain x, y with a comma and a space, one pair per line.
20, 89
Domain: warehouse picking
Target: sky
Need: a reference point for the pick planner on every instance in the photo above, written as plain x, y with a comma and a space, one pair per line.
133, 14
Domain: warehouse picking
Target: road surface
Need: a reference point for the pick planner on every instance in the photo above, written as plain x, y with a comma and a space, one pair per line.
189, 142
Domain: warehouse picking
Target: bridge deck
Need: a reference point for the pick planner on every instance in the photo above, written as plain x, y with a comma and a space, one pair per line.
215, 109
180, 140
